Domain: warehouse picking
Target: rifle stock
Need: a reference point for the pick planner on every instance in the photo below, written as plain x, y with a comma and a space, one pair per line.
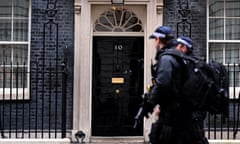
141, 111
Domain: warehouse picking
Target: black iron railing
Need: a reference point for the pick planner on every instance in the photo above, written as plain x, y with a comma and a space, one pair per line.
219, 126
36, 108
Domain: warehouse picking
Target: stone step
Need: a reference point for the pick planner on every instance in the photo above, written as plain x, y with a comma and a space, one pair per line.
118, 140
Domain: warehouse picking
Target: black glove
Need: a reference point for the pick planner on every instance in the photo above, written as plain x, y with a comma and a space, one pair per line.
147, 108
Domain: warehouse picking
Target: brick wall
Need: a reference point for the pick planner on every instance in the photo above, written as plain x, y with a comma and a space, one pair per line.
64, 21
44, 108
197, 19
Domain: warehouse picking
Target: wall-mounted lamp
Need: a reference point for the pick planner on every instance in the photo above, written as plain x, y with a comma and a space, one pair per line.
117, 4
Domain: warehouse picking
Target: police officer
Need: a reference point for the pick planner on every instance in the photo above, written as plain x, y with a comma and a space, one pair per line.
196, 132
167, 75
175, 124
163, 41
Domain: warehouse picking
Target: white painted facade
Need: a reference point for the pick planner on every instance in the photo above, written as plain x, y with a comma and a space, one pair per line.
86, 12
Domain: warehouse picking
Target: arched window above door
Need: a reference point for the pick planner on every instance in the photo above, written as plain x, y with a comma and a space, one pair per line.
118, 21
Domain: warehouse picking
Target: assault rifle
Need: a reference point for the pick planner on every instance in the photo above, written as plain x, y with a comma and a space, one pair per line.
144, 108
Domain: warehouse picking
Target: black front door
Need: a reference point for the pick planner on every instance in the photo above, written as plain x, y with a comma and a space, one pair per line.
117, 85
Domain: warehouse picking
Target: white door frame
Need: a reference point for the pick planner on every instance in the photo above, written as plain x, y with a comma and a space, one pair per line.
83, 34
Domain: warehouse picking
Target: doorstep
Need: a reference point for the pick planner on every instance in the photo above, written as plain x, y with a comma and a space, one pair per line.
118, 140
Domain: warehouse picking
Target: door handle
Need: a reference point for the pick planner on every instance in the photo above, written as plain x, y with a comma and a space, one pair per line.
117, 91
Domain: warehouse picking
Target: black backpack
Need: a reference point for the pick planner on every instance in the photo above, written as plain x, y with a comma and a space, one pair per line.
205, 85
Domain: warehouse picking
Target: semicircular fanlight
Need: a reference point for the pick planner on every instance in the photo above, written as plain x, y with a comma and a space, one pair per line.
118, 21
